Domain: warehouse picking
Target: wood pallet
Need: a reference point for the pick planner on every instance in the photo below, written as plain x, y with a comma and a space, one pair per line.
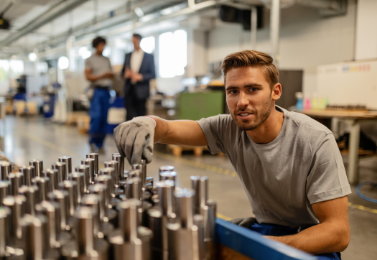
178, 149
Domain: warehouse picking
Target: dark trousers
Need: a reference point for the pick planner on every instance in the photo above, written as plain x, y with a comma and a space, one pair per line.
99, 106
275, 230
134, 106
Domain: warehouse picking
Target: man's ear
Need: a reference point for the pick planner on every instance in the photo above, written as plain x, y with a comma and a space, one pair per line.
276, 91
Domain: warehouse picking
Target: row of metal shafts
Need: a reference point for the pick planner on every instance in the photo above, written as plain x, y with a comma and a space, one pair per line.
107, 213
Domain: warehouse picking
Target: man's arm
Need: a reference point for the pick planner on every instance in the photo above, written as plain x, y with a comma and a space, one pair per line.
331, 235
92, 78
150, 74
183, 132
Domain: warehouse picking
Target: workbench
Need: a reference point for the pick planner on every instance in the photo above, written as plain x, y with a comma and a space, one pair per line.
354, 117
239, 243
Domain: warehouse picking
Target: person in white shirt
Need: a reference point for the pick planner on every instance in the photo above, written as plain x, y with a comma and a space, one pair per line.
137, 70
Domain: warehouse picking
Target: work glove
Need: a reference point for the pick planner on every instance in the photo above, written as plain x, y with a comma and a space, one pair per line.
134, 139
244, 222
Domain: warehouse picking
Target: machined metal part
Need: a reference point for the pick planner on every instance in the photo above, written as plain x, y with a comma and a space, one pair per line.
51, 210
29, 174
35, 238
101, 229
85, 169
159, 217
4, 170
149, 181
171, 176
38, 166
17, 206
43, 187
166, 168
117, 157
143, 170
96, 162
78, 177
53, 175
4, 190
183, 236
91, 163
16, 180
200, 185
130, 242
86, 246
108, 182
4, 231
68, 164
62, 198
31, 194
133, 188
115, 174
70, 187
62, 169
210, 228
106, 214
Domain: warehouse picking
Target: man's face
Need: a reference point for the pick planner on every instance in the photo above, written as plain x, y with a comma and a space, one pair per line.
100, 47
249, 96
136, 43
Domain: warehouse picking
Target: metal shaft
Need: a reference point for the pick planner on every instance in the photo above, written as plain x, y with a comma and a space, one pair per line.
38, 166
100, 190
133, 188
94, 156
4, 170
68, 162
128, 218
166, 168
62, 169
89, 162
143, 164
85, 170
29, 174
184, 198
200, 185
115, 172
16, 180
62, 198
70, 187
4, 190
92, 201
42, 183
52, 213
171, 176
165, 191
31, 194
33, 228
84, 227
109, 187
16, 205
117, 157
53, 175
78, 177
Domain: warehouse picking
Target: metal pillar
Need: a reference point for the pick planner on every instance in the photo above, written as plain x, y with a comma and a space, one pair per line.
254, 21
274, 30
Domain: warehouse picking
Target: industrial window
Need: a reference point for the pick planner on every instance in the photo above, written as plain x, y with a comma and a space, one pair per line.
172, 53
147, 44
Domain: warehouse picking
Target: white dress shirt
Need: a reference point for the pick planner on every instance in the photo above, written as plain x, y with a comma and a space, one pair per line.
136, 59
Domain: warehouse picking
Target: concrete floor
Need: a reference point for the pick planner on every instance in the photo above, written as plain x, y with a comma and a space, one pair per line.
33, 138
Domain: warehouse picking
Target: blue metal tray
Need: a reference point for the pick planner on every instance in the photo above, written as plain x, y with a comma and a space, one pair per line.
253, 245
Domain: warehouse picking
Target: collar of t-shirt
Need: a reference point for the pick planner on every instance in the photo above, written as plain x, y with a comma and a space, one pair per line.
136, 59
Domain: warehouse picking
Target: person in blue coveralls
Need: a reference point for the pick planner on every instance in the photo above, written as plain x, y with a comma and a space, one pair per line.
289, 164
98, 71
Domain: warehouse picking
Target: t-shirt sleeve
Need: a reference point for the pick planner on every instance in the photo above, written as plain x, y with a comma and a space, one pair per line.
216, 131
327, 179
88, 64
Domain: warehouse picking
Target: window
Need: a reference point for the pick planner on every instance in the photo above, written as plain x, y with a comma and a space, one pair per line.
147, 44
172, 53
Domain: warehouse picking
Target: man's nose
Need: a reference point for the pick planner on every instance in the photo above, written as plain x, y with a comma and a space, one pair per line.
242, 100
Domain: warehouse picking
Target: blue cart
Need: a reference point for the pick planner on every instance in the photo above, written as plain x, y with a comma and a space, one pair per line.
238, 243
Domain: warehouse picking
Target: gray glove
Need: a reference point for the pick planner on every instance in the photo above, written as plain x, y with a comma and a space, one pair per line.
244, 222
135, 139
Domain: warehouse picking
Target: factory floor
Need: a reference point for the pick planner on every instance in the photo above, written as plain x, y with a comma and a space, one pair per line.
34, 138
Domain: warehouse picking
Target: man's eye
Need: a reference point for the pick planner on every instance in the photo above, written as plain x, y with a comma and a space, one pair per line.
232, 91
253, 89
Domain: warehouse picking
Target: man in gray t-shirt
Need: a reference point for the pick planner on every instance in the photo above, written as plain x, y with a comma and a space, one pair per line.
289, 164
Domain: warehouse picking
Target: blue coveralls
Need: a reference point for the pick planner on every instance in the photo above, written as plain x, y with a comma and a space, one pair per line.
276, 230
99, 107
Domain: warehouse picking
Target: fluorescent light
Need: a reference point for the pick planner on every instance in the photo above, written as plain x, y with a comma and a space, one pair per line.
139, 12
63, 63
32, 56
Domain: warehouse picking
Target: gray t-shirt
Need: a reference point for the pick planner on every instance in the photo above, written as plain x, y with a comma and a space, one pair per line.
99, 65
301, 166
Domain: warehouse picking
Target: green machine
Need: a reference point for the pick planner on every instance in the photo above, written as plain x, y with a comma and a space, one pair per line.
197, 105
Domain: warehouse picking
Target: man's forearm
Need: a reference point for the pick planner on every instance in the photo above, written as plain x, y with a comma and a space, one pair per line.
319, 239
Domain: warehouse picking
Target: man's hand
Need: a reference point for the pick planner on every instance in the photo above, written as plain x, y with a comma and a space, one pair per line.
108, 75
136, 77
135, 139
331, 235
128, 73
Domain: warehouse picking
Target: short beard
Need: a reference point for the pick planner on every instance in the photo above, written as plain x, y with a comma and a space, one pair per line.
264, 114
